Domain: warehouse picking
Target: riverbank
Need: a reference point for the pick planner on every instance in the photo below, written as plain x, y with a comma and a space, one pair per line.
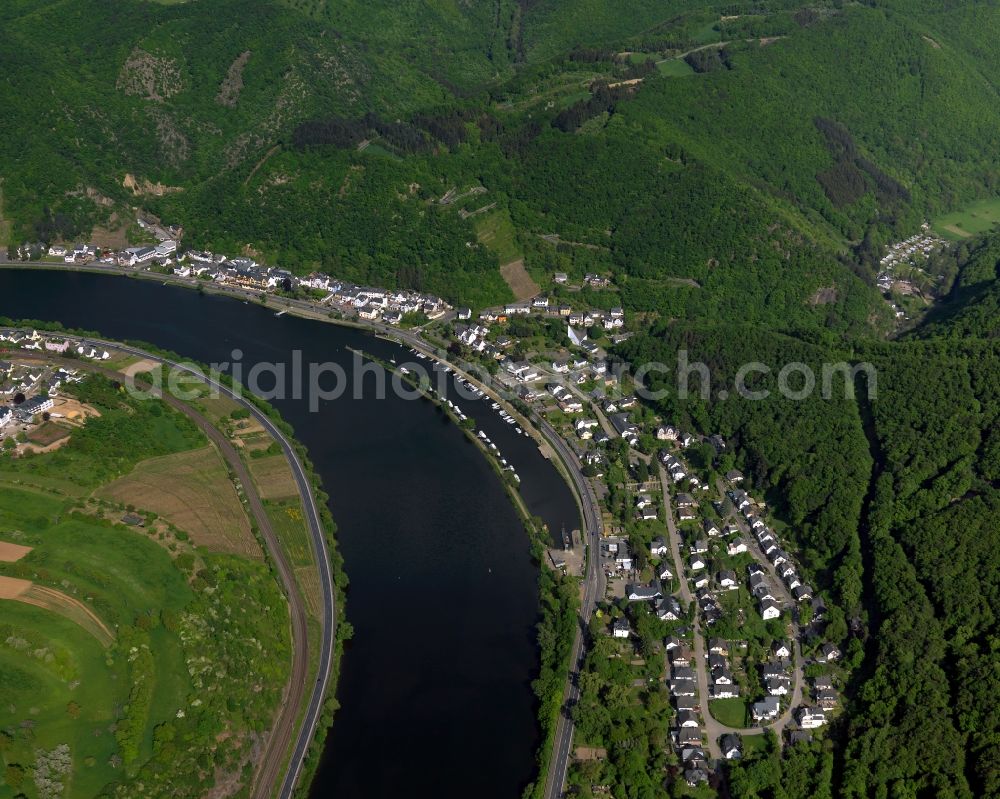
369, 451
300, 714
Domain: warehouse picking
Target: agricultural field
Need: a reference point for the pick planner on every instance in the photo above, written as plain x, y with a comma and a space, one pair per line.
274, 478
979, 217
193, 491
115, 663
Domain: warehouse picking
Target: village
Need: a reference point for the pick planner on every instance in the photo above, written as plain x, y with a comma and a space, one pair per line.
698, 575
901, 273
36, 414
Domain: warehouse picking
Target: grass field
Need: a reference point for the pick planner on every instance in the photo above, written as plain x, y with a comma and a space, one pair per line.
675, 68
731, 712
47, 663
495, 231
24, 591
88, 578
289, 526
193, 491
125, 652
753, 743
274, 477
119, 574
980, 217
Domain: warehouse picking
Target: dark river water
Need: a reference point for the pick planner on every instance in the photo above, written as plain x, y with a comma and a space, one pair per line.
435, 687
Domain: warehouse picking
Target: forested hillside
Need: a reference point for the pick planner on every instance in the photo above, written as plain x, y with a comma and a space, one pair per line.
740, 159
892, 499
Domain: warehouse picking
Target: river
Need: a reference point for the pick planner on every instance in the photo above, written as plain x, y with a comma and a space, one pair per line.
435, 686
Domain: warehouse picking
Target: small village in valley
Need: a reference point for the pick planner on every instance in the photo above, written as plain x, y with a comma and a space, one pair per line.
704, 616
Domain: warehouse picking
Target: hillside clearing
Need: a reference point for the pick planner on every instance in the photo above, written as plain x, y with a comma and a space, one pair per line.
979, 217
495, 231
520, 282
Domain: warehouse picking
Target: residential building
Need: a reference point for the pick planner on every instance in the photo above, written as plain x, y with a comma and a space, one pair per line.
810, 718
766, 709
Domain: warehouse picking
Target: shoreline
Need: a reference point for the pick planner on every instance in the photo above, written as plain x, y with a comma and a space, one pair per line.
323, 664
559, 454
540, 432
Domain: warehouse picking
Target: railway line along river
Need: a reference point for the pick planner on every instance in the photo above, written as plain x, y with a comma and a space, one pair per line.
434, 692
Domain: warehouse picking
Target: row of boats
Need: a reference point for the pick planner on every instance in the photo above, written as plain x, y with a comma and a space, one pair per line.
479, 394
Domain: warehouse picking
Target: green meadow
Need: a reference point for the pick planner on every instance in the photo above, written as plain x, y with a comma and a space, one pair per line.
979, 217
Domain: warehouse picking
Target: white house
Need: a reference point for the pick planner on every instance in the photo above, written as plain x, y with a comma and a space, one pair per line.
658, 548
725, 691
666, 433
769, 609
727, 580
165, 248
620, 628
730, 745
669, 609
810, 718
641, 593
736, 547
35, 405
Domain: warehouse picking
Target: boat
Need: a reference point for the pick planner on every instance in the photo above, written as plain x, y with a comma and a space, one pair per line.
495, 406
518, 430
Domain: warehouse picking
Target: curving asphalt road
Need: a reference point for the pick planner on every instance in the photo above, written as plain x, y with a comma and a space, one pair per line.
271, 763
